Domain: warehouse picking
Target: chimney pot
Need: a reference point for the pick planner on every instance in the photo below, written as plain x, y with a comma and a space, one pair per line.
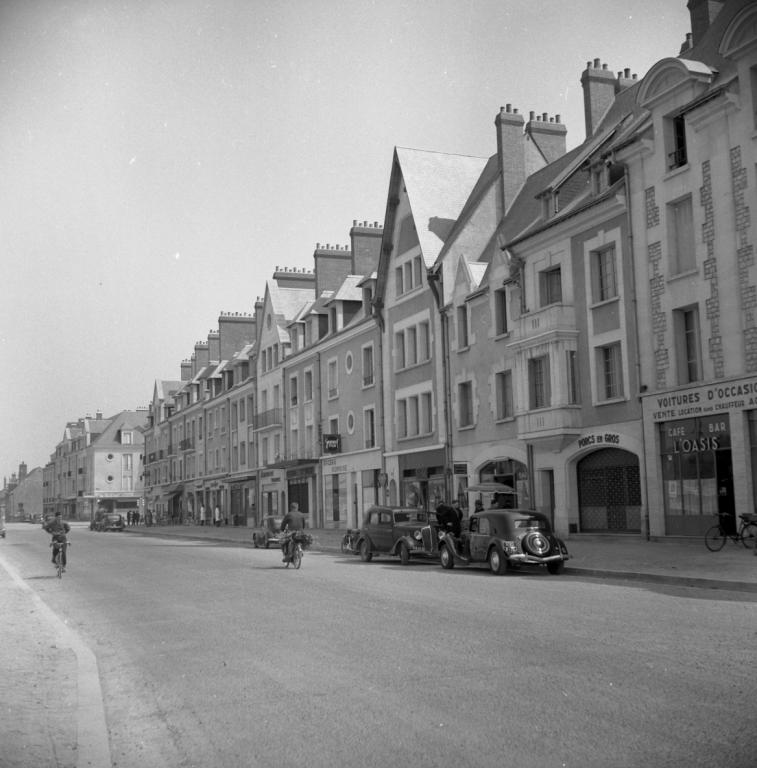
544, 116
532, 115
596, 63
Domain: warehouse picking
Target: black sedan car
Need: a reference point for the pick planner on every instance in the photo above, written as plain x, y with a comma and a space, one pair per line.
505, 539
399, 531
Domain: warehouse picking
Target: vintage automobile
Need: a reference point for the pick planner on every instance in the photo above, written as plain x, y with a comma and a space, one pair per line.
268, 532
505, 539
111, 521
400, 531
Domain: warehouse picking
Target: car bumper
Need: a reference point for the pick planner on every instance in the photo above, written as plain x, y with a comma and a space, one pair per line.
532, 560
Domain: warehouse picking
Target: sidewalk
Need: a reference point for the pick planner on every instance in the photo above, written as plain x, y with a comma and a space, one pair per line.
685, 562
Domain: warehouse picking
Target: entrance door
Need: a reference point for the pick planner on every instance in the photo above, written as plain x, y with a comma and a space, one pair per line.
609, 492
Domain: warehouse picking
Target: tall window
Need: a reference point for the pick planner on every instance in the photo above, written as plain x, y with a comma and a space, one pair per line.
399, 348
369, 427
500, 311
293, 390
550, 287
333, 380
411, 346
462, 327
574, 390
538, 382
465, 399
418, 271
402, 418
399, 281
367, 366
610, 372
308, 386
681, 236
424, 342
677, 154
688, 346
426, 415
504, 389
604, 278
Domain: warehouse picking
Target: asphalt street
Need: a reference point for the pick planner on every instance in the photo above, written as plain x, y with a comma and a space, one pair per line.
211, 653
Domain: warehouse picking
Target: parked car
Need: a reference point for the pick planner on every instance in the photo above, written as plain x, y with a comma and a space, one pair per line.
268, 532
505, 539
403, 532
96, 521
112, 521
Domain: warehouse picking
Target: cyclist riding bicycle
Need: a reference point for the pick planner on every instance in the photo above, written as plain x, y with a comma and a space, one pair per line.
58, 529
293, 520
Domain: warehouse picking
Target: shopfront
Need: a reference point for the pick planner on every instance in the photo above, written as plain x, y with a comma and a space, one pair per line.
704, 455
422, 479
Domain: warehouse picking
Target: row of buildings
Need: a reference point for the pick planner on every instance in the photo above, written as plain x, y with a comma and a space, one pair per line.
578, 325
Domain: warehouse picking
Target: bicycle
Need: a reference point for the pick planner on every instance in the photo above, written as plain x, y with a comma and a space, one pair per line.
297, 543
716, 536
58, 548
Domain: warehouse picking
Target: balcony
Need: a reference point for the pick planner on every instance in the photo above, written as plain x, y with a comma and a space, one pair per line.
270, 418
187, 444
552, 428
540, 324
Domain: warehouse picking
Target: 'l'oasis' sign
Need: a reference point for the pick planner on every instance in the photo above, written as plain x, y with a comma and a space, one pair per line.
332, 443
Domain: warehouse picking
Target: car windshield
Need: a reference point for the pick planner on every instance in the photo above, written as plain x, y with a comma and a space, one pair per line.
531, 522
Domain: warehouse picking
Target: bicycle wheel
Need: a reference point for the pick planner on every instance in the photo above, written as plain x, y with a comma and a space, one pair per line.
749, 535
714, 539
297, 556
59, 563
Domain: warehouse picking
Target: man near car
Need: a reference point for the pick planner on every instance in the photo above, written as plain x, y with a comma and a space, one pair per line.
58, 528
293, 520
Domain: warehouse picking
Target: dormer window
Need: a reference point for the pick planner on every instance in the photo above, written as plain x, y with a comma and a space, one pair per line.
676, 143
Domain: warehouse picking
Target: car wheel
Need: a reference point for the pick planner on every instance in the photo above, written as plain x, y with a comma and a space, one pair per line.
446, 558
555, 567
536, 543
497, 561
404, 553
365, 551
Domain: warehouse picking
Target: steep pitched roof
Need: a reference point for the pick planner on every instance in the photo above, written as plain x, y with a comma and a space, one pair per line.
438, 186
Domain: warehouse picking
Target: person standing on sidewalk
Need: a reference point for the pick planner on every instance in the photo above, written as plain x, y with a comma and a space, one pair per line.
202, 514
217, 517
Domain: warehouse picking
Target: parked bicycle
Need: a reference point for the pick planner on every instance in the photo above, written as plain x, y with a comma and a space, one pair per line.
746, 533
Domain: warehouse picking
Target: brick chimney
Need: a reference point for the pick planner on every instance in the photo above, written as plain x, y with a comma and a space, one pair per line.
548, 133
510, 153
186, 370
214, 346
236, 330
22, 472
365, 243
201, 356
702, 13
332, 264
599, 84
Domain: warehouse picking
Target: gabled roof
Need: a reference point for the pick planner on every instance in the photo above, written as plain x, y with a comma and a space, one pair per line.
288, 302
438, 186
166, 387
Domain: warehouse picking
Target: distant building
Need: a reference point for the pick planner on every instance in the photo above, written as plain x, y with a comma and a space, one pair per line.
23, 496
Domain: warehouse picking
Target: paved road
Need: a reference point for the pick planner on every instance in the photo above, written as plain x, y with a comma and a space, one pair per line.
215, 655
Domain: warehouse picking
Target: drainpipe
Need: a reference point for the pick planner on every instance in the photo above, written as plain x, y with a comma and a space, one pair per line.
434, 279
378, 306
627, 188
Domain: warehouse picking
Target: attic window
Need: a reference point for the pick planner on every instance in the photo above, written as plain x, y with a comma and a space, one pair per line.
675, 143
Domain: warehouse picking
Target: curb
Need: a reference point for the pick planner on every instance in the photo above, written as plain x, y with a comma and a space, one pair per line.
594, 573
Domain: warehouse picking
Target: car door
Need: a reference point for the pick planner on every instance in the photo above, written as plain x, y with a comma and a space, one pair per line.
478, 537
382, 537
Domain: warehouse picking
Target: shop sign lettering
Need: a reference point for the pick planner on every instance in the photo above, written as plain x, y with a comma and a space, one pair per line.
599, 438
703, 401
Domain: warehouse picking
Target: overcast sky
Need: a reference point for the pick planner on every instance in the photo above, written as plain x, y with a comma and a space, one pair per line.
159, 159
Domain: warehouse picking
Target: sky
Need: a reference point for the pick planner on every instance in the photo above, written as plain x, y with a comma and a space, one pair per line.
159, 159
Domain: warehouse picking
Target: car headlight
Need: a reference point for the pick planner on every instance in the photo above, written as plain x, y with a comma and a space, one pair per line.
417, 535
